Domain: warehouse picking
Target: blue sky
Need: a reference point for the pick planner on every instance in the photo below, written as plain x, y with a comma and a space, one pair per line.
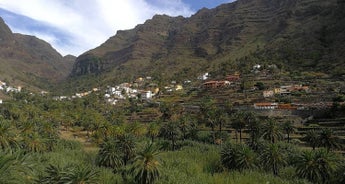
75, 26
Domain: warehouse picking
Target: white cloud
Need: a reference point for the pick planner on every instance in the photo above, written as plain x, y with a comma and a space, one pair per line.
88, 23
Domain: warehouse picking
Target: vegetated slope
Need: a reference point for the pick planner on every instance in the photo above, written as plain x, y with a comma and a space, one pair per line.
297, 34
30, 62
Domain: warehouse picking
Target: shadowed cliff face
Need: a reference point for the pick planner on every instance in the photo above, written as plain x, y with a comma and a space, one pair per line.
29, 61
303, 29
5, 33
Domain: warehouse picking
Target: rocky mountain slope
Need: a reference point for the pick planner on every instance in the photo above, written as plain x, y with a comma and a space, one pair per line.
30, 62
295, 34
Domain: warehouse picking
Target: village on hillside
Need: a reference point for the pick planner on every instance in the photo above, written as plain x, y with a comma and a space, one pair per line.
257, 91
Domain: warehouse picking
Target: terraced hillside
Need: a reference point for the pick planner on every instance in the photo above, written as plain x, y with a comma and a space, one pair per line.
298, 35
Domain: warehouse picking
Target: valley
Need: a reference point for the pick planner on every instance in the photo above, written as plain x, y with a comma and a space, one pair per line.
248, 92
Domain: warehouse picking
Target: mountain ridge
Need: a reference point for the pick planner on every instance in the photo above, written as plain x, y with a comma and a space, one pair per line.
177, 47
29, 61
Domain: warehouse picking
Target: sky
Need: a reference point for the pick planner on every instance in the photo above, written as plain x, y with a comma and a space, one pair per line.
76, 26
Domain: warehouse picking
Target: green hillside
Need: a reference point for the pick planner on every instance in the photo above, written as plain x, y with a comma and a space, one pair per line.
30, 62
296, 35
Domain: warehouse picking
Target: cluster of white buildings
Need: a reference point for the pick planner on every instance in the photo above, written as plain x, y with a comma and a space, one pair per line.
126, 90
141, 88
77, 95
137, 89
8, 89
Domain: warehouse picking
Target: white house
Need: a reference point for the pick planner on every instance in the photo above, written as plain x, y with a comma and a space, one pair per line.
111, 90
146, 95
117, 93
112, 101
268, 93
79, 95
204, 76
63, 97
265, 106
256, 67
11, 89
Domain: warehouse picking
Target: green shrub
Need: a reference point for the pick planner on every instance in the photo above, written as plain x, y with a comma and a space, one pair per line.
204, 136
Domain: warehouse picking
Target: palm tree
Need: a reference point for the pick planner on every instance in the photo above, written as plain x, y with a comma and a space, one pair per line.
105, 130
50, 132
239, 157
67, 121
223, 119
54, 175
184, 125
317, 166
228, 156
171, 131
35, 143
209, 113
102, 132
245, 157
15, 168
311, 138
109, 155
328, 140
98, 137
7, 163
80, 175
166, 110
212, 118
7, 135
48, 129
273, 157
90, 120
146, 165
288, 129
340, 173
28, 127
136, 129
153, 130
249, 117
254, 128
117, 131
126, 146
271, 131
238, 123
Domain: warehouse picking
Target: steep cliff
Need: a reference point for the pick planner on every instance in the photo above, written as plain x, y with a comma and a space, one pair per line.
299, 34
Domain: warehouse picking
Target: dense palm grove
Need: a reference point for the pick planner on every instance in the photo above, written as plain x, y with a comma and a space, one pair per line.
177, 147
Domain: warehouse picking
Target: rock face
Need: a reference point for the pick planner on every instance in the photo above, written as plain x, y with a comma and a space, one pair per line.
300, 32
27, 60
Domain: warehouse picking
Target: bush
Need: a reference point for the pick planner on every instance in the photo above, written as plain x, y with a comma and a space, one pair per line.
224, 136
164, 144
204, 136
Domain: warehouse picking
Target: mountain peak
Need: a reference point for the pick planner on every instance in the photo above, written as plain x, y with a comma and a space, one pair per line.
5, 32
27, 60
180, 47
